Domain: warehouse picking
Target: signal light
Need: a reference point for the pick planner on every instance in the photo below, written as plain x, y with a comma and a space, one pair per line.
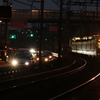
31, 35
12, 36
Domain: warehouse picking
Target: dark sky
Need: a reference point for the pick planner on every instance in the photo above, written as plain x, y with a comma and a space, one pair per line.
48, 4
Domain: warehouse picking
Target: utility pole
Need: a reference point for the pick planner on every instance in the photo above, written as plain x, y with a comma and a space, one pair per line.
41, 28
60, 33
41, 33
6, 32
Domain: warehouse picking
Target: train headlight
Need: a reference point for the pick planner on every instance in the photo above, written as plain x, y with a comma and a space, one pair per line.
26, 63
14, 62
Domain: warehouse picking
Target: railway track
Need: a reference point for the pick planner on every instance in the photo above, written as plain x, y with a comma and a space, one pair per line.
9, 72
38, 80
88, 75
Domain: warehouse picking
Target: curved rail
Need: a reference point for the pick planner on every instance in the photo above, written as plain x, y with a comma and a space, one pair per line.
92, 79
45, 75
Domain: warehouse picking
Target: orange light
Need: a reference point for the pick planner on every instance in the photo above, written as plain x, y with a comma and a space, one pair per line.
0, 59
99, 40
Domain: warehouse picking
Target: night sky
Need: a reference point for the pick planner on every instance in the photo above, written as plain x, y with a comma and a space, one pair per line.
48, 5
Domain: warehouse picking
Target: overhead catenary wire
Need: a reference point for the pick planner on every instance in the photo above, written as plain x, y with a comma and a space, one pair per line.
26, 4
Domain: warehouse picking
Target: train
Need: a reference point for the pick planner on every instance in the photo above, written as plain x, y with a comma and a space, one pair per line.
87, 45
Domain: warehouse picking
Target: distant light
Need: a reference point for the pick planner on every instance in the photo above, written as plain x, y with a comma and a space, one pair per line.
10, 4
77, 38
61, 28
31, 35
46, 59
50, 56
46, 39
32, 82
0, 21
98, 53
12, 36
99, 40
34, 10
37, 59
84, 38
14, 86
90, 37
5, 46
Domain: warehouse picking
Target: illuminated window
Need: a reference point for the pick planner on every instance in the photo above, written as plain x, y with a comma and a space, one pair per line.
98, 44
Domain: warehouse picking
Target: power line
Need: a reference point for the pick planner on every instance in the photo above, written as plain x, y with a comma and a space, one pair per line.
26, 4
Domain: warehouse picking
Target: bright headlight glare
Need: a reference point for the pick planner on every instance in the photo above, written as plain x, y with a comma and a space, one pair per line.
14, 62
32, 50
26, 63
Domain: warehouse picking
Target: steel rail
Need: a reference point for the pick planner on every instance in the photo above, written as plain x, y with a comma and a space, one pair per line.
13, 81
73, 89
